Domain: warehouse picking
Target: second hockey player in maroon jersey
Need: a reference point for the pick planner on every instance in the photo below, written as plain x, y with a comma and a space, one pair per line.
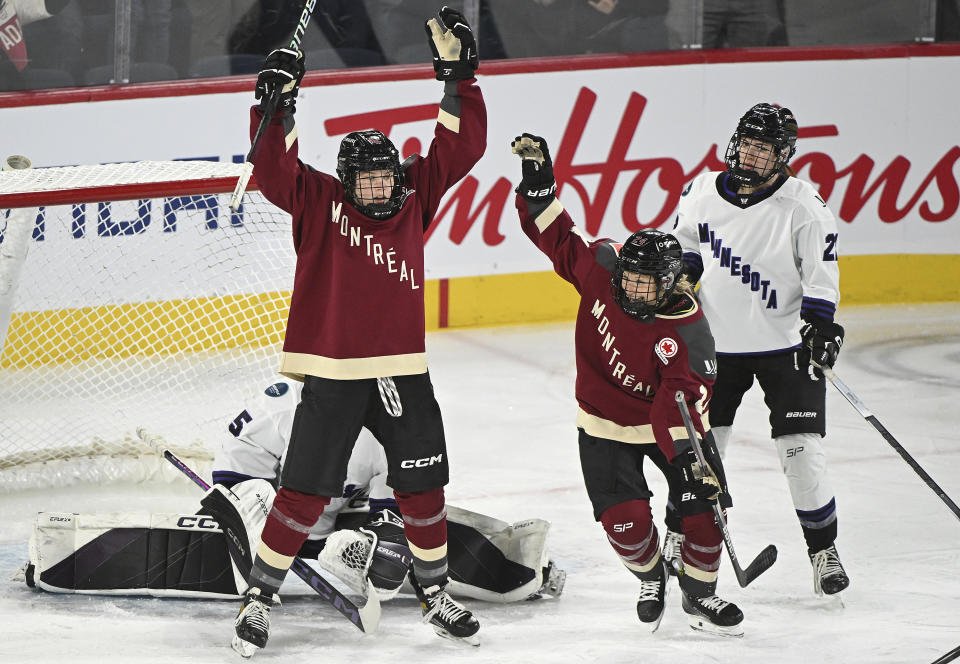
355, 332
640, 337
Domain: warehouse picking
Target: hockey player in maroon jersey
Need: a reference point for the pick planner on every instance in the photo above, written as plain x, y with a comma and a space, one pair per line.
355, 332
640, 338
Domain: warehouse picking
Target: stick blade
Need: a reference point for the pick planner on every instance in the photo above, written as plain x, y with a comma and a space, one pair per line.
370, 612
764, 561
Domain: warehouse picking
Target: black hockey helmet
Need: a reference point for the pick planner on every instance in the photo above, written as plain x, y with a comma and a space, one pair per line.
772, 125
362, 152
652, 252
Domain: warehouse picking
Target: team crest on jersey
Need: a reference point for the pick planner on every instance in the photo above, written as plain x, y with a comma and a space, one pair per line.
665, 349
276, 390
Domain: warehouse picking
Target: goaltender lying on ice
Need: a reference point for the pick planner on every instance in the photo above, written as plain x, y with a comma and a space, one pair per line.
359, 534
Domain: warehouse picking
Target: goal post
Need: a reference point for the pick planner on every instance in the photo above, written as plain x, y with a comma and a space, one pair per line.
143, 301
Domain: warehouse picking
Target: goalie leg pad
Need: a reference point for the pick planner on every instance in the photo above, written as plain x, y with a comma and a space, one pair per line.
160, 555
241, 512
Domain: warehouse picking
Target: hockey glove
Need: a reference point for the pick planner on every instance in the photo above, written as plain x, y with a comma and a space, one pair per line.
696, 483
454, 46
538, 184
821, 341
281, 74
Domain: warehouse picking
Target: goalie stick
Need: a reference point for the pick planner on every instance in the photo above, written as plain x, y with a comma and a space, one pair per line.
365, 618
765, 558
268, 110
869, 417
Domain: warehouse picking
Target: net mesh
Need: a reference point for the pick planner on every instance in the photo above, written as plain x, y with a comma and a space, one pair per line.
346, 555
162, 312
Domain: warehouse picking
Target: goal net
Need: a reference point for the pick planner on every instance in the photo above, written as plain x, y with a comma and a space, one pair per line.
132, 296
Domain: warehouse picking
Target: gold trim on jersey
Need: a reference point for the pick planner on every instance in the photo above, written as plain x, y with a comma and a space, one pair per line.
448, 120
600, 428
689, 311
272, 558
549, 215
641, 434
298, 365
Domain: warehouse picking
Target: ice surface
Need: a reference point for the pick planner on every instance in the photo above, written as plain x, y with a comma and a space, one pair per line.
507, 398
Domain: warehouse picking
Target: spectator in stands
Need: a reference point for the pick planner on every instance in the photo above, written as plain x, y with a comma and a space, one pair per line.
14, 57
729, 23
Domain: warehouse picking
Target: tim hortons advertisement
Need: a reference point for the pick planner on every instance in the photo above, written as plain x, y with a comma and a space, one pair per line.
878, 138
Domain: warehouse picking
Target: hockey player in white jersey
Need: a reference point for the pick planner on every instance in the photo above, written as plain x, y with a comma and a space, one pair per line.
185, 555
763, 246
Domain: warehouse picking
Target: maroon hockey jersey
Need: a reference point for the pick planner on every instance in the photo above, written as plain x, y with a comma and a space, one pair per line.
357, 307
628, 371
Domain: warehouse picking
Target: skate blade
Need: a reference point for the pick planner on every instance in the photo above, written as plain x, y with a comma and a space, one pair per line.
243, 648
655, 625
704, 625
473, 639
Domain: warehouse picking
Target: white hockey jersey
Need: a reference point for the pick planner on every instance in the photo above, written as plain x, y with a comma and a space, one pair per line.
765, 258
257, 442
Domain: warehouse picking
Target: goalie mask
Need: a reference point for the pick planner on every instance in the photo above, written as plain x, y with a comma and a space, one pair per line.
647, 271
368, 165
765, 139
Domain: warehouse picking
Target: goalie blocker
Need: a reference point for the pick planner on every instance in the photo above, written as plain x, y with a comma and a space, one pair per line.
185, 555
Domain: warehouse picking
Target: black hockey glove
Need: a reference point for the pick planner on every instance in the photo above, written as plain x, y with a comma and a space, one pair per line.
696, 483
538, 184
453, 44
821, 341
283, 70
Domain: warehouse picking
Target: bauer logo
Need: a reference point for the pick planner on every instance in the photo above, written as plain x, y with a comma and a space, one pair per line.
802, 413
277, 390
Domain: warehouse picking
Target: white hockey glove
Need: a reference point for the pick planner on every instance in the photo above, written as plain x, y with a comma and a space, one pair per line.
454, 46
538, 184
283, 70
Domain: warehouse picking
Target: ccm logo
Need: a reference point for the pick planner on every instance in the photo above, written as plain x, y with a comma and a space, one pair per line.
204, 522
802, 413
622, 527
421, 463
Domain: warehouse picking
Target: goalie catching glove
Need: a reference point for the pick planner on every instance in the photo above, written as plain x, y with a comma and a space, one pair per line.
538, 184
377, 551
282, 71
454, 46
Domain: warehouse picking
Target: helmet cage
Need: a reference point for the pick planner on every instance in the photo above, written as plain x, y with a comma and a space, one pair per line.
363, 153
768, 124
653, 253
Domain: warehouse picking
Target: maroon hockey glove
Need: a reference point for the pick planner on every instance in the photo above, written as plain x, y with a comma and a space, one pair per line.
538, 184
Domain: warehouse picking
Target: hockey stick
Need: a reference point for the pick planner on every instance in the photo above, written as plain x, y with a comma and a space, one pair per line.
268, 110
765, 558
869, 417
949, 657
366, 618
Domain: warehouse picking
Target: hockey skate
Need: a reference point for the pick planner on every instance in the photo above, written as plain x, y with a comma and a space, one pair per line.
714, 615
672, 544
448, 618
652, 601
829, 577
253, 623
